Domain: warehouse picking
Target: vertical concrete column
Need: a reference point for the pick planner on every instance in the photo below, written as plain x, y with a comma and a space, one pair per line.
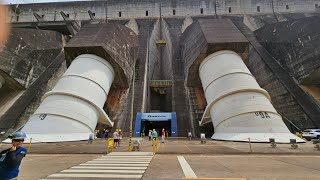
238, 106
70, 111
2, 81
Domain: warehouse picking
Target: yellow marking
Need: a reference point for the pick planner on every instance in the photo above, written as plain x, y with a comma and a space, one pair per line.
110, 145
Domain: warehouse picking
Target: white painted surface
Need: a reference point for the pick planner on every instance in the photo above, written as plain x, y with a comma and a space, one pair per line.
131, 154
90, 167
103, 171
118, 162
109, 169
124, 159
109, 164
96, 175
70, 111
187, 170
237, 106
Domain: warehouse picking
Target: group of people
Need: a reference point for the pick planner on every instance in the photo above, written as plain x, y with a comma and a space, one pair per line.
153, 134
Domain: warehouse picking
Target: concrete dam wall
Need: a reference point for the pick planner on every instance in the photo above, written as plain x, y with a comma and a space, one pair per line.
278, 44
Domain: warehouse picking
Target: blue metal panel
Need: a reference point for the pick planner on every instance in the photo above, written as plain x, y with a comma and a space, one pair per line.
174, 128
137, 127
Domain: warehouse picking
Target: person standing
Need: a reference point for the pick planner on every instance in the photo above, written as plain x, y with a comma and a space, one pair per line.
106, 134
115, 137
163, 134
120, 137
10, 159
154, 134
103, 134
150, 135
91, 138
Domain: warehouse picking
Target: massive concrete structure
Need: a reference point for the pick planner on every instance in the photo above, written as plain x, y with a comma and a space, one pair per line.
276, 39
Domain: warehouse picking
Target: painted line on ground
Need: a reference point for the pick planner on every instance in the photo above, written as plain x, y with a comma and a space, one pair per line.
131, 153
187, 170
115, 156
93, 167
141, 160
119, 162
96, 175
113, 165
103, 171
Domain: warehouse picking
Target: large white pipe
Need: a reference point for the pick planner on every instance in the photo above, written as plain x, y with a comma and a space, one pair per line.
2, 81
239, 108
70, 111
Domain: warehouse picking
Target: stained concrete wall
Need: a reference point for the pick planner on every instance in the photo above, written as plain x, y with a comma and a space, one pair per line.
179, 96
32, 61
28, 52
295, 45
111, 9
154, 53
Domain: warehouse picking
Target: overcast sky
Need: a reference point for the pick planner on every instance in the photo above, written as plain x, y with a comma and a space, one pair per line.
35, 1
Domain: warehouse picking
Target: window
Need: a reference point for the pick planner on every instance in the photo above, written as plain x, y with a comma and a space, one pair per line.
147, 13
287, 6
201, 10
120, 14
174, 12
316, 5
93, 14
229, 9
67, 15
17, 18
258, 8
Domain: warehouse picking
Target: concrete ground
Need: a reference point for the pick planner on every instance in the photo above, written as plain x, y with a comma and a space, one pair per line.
215, 159
172, 146
252, 167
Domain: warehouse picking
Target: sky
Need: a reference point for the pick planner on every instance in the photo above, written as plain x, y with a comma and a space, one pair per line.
34, 1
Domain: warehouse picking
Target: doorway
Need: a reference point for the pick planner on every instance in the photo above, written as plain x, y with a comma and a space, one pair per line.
157, 125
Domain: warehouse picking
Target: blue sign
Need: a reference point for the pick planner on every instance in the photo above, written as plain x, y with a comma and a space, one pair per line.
156, 117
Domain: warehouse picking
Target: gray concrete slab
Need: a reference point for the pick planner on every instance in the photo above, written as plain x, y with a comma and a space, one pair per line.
171, 146
35, 166
213, 159
252, 167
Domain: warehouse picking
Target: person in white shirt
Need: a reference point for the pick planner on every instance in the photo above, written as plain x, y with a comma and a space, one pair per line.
116, 138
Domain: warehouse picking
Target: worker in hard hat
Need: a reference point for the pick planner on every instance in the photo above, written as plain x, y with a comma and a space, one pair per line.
10, 159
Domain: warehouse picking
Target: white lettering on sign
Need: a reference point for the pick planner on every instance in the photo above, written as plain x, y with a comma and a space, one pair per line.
156, 116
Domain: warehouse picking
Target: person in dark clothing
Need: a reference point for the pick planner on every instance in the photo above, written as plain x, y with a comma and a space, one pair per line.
10, 159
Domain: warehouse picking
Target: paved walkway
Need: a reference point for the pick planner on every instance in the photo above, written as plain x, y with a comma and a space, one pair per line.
172, 146
116, 165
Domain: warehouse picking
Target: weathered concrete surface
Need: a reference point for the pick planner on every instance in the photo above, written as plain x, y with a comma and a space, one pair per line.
186, 101
36, 166
294, 44
29, 100
250, 167
173, 146
113, 42
253, 167
111, 9
29, 60
205, 37
291, 59
118, 45
28, 52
